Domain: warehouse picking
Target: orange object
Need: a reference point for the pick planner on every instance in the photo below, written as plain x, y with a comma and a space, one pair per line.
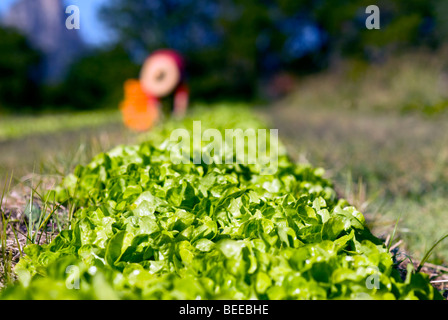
140, 111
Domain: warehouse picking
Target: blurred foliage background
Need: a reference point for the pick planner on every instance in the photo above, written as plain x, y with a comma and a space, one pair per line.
235, 49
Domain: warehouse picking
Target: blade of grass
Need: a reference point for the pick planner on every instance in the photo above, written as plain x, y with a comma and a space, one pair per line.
392, 236
17, 241
30, 222
6, 260
429, 252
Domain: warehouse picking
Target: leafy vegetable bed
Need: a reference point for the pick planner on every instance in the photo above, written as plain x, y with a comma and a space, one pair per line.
146, 228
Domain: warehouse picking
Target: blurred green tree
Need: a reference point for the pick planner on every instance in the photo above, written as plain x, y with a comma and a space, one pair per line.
95, 81
230, 45
404, 23
19, 63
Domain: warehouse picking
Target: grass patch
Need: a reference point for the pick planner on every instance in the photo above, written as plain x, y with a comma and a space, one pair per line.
408, 83
422, 223
12, 127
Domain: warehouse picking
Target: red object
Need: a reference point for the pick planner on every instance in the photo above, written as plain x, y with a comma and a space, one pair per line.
181, 100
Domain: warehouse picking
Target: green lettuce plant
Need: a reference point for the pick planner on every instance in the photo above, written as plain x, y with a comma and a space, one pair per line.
145, 228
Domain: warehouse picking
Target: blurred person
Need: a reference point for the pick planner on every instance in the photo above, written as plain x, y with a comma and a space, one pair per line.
160, 92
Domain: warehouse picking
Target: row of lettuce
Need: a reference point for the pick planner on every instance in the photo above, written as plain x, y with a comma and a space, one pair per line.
146, 228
